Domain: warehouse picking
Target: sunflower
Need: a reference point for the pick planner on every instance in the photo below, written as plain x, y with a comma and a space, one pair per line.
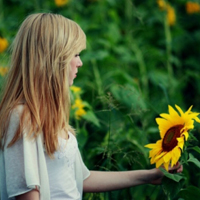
174, 128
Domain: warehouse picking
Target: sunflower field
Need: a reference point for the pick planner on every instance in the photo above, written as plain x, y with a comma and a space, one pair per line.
136, 99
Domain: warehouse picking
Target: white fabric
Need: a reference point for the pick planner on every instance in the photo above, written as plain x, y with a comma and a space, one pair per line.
24, 166
61, 170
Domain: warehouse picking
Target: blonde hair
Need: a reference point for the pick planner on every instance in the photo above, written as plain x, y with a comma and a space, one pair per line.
39, 76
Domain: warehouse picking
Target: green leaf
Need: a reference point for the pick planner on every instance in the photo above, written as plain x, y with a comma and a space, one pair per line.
174, 177
128, 95
97, 55
184, 157
171, 188
192, 138
194, 160
82, 137
90, 116
197, 149
158, 77
189, 193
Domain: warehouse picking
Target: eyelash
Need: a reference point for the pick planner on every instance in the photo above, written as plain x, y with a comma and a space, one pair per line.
77, 55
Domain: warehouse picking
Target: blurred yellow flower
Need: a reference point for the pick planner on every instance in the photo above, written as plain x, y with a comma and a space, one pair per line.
75, 89
79, 113
174, 128
3, 71
161, 4
171, 15
79, 107
3, 44
192, 7
61, 3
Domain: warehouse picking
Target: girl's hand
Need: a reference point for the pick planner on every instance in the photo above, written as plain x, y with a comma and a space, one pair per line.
101, 181
158, 174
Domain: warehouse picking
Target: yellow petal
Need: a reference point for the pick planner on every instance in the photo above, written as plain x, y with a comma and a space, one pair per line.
173, 113
197, 119
167, 156
154, 145
180, 142
176, 153
159, 162
166, 165
180, 110
155, 152
166, 116
186, 135
189, 110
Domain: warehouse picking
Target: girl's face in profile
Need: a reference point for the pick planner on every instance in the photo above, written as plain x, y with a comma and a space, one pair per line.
74, 64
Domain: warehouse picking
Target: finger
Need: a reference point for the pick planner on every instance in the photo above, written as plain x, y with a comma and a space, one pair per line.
177, 170
180, 169
176, 166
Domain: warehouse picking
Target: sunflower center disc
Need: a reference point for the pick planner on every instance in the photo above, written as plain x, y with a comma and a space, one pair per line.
169, 140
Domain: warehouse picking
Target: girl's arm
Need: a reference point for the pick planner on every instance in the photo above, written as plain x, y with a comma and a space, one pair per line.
108, 181
32, 195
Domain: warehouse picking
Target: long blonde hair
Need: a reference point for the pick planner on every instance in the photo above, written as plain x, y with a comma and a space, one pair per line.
39, 76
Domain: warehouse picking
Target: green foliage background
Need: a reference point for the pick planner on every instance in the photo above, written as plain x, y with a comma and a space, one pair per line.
135, 65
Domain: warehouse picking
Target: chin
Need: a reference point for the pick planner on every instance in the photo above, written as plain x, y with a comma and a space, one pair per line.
71, 83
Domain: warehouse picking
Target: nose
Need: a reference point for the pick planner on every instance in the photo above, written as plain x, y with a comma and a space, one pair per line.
80, 63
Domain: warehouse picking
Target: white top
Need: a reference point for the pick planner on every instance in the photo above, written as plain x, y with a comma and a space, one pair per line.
25, 165
61, 170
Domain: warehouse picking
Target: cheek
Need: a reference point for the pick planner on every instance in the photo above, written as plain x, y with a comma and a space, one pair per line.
70, 67
73, 61
71, 73
70, 78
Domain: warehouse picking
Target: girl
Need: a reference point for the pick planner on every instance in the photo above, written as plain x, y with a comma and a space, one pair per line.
39, 155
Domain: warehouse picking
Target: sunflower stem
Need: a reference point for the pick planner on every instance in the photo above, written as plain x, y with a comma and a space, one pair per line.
168, 41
